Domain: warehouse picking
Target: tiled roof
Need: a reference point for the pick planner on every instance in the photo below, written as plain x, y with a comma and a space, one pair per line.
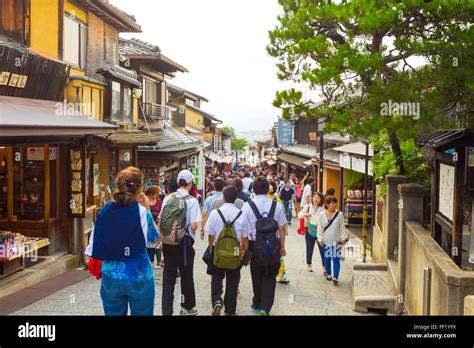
171, 140
138, 49
135, 137
112, 15
120, 73
189, 94
307, 151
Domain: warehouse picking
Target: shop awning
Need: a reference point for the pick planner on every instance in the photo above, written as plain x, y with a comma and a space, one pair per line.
31, 117
135, 137
271, 163
214, 157
357, 148
292, 159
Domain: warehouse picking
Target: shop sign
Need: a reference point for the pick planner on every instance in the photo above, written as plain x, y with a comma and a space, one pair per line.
35, 153
77, 185
13, 80
216, 143
285, 132
446, 190
53, 153
96, 180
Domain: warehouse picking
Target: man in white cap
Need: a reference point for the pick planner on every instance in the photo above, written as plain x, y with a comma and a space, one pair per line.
181, 256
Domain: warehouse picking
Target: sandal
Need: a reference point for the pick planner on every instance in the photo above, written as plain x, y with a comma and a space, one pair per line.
335, 281
283, 281
328, 277
309, 268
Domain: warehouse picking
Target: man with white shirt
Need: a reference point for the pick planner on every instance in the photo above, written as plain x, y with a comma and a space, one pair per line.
264, 278
181, 256
307, 193
214, 226
247, 181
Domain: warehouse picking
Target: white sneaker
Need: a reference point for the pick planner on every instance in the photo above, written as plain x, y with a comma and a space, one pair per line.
190, 312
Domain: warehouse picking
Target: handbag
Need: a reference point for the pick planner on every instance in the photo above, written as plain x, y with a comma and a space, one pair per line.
207, 256
302, 229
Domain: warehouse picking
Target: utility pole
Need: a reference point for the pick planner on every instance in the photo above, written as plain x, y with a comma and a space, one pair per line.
365, 206
321, 160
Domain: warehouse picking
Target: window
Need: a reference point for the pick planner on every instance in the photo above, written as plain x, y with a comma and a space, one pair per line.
15, 20
127, 105
75, 42
122, 103
189, 102
115, 112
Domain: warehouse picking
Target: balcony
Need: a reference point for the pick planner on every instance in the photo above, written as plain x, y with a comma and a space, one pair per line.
156, 112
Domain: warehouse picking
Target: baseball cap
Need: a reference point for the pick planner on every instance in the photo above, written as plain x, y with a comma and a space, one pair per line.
185, 175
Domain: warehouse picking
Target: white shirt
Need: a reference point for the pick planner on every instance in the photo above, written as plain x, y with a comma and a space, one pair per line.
193, 212
334, 234
263, 204
143, 222
214, 224
314, 214
247, 181
305, 195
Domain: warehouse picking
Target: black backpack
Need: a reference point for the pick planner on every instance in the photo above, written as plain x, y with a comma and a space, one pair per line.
267, 244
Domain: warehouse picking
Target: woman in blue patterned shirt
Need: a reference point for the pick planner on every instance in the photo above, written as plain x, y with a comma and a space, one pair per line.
119, 238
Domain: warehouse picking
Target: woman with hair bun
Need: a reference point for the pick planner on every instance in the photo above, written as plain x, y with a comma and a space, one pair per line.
118, 242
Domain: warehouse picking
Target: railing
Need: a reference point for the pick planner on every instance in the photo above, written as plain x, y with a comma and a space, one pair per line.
156, 111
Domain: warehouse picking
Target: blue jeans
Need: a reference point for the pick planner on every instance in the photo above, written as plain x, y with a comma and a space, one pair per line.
286, 204
310, 242
118, 294
332, 254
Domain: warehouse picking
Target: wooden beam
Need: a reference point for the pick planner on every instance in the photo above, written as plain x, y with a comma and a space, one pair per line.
60, 29
10, 183
47, 184
458, 206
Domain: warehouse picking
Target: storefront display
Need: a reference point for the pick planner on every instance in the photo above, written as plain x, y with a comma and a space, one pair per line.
354, 206
3, 184
14, 248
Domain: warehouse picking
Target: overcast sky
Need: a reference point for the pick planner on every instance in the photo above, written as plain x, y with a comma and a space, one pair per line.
222, 43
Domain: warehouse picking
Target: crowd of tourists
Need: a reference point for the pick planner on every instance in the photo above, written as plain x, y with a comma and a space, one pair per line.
245, 215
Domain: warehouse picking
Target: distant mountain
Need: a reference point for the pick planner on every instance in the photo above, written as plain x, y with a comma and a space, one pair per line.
254, 135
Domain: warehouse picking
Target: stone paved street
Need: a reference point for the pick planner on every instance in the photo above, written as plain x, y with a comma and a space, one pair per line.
307, 293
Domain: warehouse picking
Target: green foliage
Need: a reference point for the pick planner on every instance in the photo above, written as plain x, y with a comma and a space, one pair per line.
384, 163
358, 55
229, 130
239, 144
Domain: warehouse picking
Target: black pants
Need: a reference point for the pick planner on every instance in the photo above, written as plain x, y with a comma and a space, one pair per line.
232, 279
310, 241
175, 259
263, 282
151, 254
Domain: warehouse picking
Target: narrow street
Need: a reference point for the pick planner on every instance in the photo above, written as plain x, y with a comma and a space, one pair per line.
307, 293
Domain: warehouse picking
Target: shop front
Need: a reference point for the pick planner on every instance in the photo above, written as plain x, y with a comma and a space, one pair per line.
352, 162
39, 190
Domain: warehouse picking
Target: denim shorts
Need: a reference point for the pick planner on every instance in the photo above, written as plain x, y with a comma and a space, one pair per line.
118, 294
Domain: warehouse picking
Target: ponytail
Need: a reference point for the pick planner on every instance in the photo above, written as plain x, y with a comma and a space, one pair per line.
128, 184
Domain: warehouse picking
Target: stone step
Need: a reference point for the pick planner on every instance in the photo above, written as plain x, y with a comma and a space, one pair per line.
51, 267
372, 288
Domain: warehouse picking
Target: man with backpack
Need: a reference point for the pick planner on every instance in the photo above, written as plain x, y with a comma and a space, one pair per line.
228, 229
179, 219
267, 222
